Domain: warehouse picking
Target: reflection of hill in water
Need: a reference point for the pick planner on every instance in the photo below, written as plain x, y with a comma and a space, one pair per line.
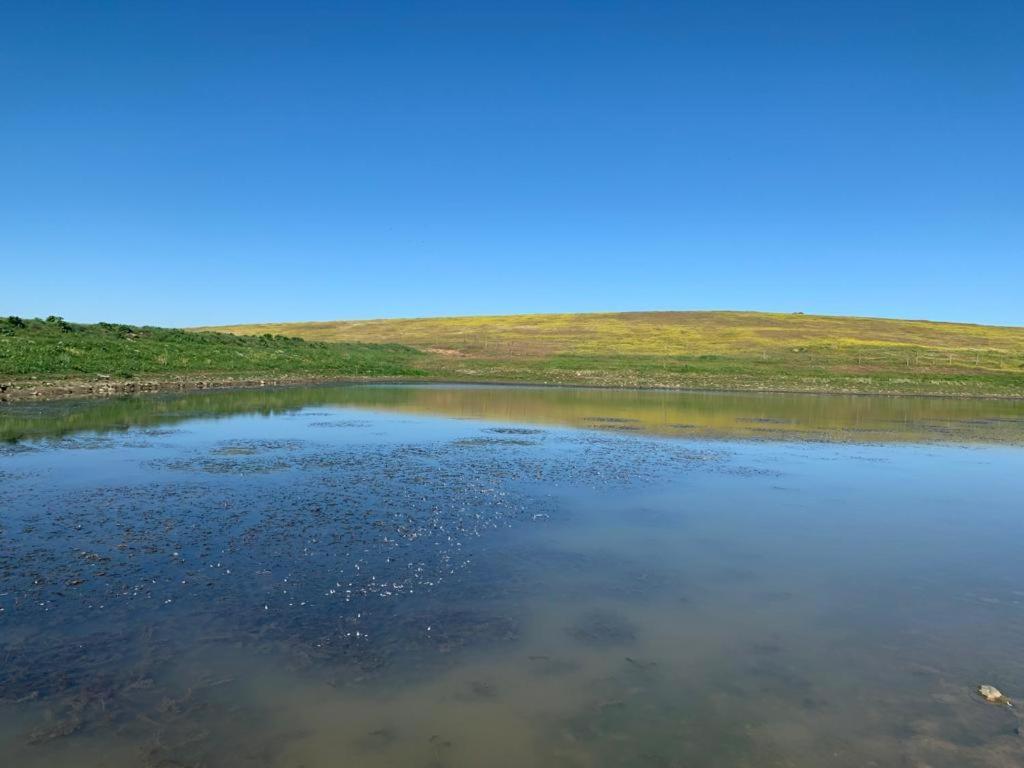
683, 414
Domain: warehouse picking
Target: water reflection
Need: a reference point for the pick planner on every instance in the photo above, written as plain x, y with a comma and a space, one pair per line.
853, 418
357, 578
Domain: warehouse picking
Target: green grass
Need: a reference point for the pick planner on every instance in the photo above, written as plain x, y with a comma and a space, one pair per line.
694, 350
57, 349
702, 350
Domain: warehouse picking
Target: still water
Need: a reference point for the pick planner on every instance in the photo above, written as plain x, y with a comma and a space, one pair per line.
473, 576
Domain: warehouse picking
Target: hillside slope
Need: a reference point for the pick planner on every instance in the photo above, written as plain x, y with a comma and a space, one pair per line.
39, 353
713, 350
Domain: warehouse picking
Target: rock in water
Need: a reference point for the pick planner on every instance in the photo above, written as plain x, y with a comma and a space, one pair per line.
992, 694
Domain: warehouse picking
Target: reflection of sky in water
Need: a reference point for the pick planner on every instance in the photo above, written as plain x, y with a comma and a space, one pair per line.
383, 587
833, 418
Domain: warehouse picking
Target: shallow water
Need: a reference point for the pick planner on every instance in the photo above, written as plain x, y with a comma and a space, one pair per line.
467, 576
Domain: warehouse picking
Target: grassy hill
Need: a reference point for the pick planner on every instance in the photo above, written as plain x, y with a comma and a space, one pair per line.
58, 349
695, 350
704, 350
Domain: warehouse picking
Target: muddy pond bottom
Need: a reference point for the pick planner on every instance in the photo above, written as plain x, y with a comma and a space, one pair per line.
367, 580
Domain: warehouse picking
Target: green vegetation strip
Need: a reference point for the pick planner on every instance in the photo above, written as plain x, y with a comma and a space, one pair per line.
743, 351
55, 348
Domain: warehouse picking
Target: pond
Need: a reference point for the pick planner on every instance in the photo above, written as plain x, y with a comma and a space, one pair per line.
510, 576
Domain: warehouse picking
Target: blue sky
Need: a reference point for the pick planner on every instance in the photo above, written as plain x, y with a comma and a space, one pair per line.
184, 163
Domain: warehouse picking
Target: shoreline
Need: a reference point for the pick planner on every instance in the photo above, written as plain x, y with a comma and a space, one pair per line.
34, 390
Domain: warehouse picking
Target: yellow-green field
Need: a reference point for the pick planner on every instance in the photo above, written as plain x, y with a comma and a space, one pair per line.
702, 350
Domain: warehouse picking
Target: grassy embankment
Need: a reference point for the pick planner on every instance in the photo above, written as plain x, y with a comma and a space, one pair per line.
701, 350
39, 353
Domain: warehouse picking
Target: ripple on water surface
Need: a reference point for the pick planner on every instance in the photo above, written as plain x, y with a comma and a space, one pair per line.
309, 587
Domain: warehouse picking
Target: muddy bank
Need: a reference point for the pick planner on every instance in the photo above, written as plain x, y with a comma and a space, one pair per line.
44, 389
38, 389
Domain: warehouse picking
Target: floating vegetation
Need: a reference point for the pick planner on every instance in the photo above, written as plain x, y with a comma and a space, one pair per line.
515, 431
261, 446
481, 442
215, 598
16, 449
233, 463
316, 569
341, 424
335, 568
231, 450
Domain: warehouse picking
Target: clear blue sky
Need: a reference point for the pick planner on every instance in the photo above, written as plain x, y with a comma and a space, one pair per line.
184, 163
